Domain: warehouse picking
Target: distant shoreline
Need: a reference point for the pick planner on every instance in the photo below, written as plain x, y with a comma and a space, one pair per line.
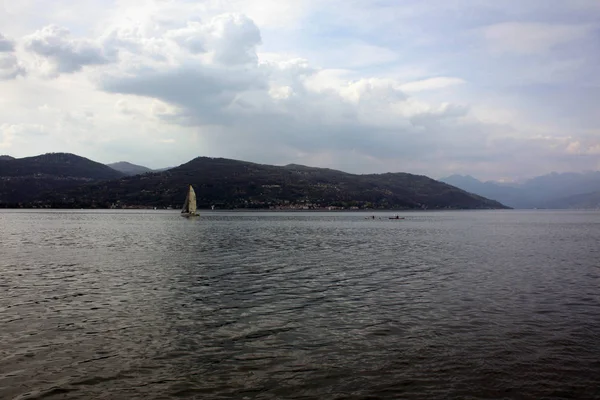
262, 210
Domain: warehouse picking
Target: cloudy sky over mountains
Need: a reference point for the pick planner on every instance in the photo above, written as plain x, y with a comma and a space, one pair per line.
496, 89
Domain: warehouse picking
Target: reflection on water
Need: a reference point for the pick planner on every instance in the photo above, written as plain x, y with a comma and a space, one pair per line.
149, 305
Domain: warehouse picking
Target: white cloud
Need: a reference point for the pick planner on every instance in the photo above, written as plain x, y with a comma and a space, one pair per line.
431, 84
270, 14
226, 39
233, 39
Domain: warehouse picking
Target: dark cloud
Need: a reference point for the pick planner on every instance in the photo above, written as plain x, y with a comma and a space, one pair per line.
10, 68
204, 93
6, 45
65, 54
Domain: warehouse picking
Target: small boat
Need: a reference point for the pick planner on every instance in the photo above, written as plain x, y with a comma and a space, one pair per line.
189, 207
396, 217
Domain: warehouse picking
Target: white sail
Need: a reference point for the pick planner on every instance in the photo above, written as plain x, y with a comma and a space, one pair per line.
192, 200
189, 207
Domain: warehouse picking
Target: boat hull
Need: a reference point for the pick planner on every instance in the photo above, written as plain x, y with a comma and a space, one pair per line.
188, 215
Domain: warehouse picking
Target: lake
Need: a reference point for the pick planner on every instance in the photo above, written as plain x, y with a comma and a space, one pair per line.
306, 305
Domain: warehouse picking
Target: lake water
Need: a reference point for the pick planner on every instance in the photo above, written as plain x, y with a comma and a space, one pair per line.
441, 305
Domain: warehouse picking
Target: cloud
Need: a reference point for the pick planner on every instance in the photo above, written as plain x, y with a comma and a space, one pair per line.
361, 86
10, 67
292, 106
226, 39
63, 53
6, 45
234, 38
205, 92
10, 133
193, 37
270, 14
431, 84
206, 75
584, 147
530, 37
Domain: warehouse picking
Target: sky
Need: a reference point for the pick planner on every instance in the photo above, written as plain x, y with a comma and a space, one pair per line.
501, 90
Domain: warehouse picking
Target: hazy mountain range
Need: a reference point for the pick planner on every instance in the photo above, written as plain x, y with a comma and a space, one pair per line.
555, 190
68, 180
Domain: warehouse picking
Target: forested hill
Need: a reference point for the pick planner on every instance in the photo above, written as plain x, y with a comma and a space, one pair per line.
23, 179
229, 183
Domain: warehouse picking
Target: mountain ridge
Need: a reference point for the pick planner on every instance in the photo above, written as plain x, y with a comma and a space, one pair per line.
128, 168
23, 179
231, 183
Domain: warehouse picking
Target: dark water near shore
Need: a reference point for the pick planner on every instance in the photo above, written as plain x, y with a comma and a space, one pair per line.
149, 305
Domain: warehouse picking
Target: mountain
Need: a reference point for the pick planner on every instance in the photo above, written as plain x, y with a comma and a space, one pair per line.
6, 158
465, 182
578, 201
162, 169
129, 168
555, 186
23, 179
512, 196
238, 184
545, 191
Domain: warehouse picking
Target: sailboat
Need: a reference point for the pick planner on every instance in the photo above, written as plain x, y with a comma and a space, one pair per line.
189, 207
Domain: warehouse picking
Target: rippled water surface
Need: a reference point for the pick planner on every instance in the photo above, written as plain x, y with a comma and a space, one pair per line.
149, 305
